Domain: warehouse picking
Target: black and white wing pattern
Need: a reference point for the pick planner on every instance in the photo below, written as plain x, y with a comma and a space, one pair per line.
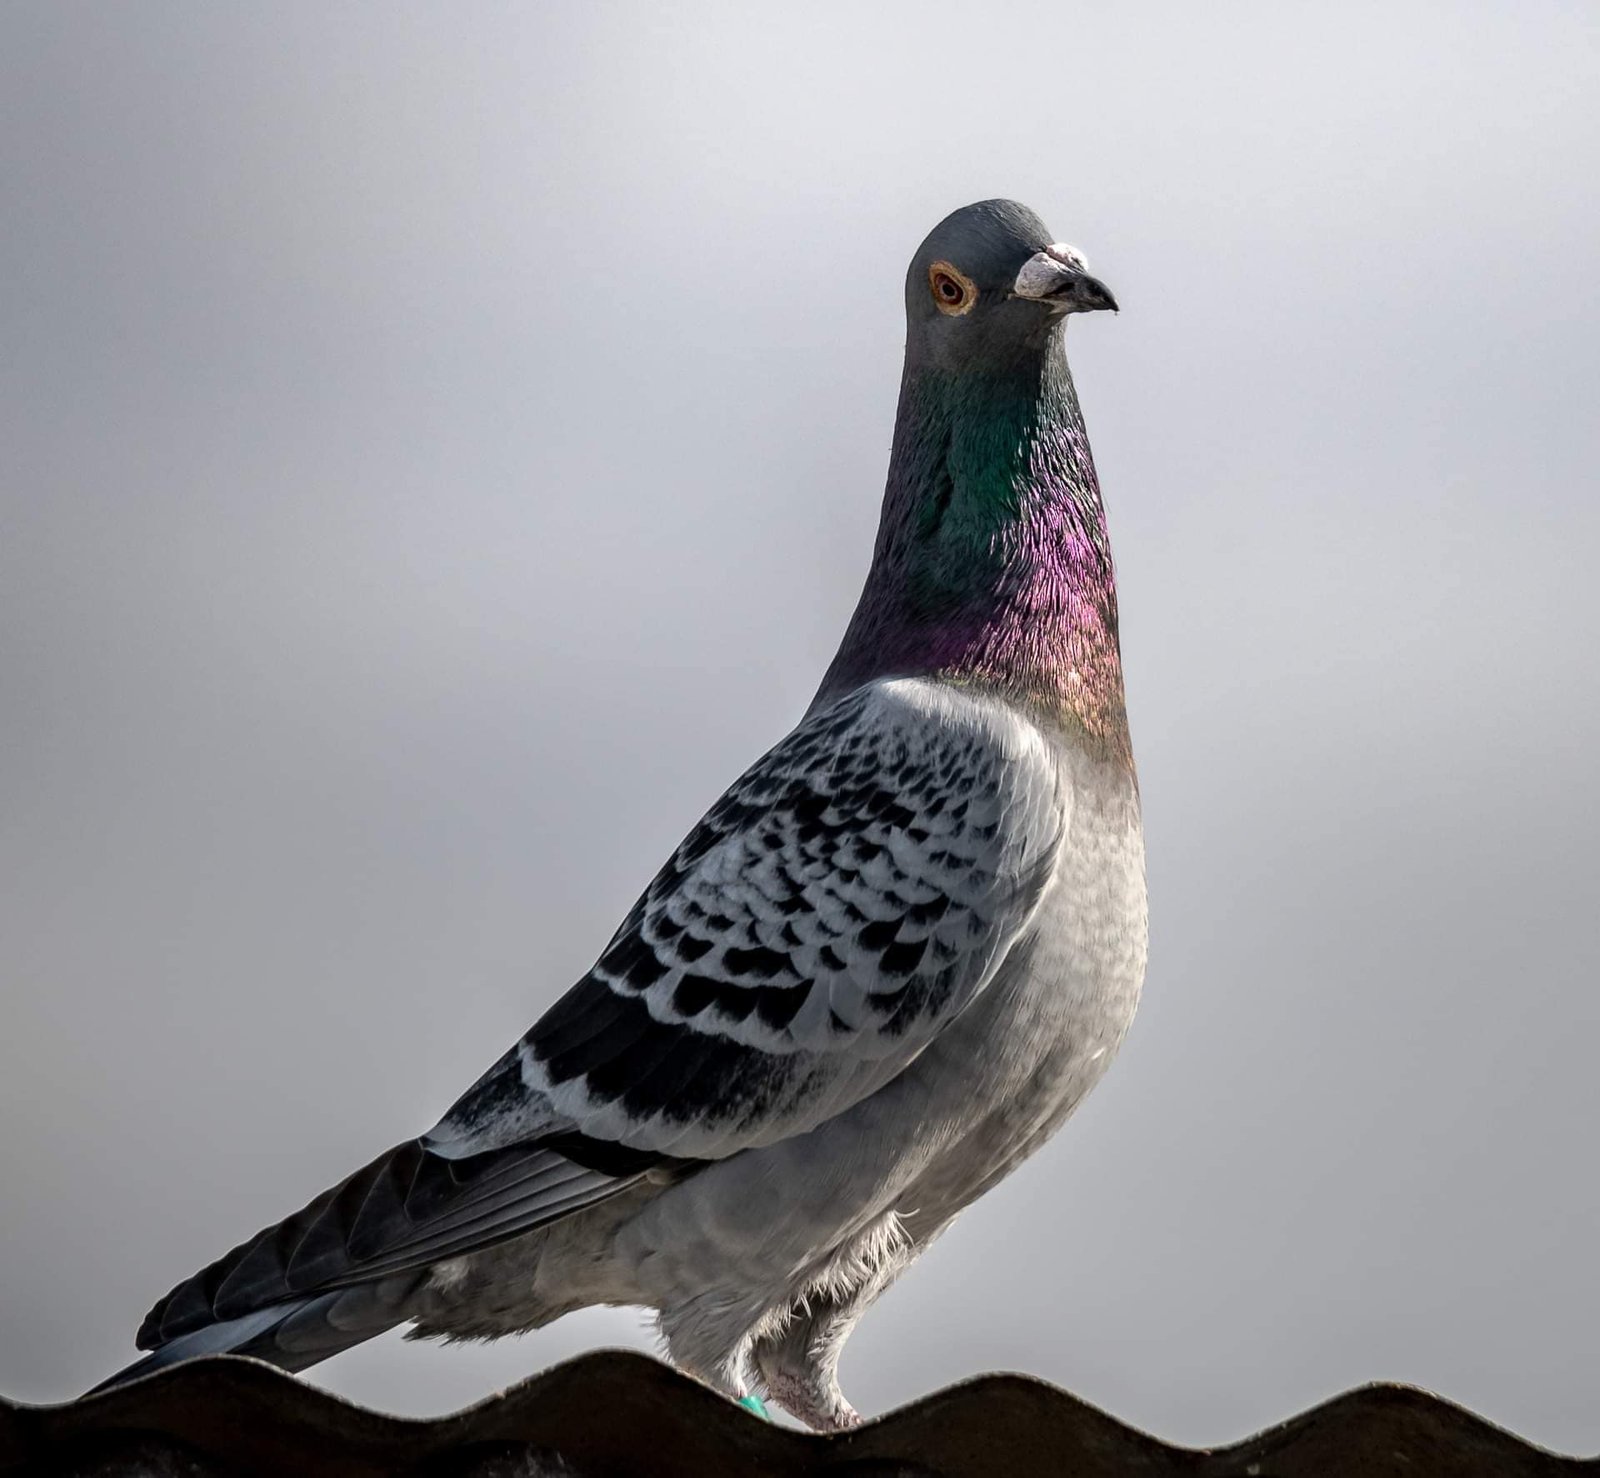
851, 893
845, 899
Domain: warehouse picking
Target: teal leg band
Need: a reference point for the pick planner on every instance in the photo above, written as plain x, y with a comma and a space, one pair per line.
754, 1403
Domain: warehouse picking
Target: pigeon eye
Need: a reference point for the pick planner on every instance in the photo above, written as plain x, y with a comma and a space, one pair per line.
954, 292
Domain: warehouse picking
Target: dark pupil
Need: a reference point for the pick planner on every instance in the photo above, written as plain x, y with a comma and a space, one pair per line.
949, 290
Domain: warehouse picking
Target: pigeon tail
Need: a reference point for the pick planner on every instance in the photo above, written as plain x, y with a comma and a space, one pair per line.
347, 1266
291, 1335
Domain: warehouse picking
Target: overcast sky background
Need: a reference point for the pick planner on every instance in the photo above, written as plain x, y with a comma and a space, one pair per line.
440, 447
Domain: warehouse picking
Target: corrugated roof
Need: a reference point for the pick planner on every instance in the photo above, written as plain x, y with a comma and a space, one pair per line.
617, 1413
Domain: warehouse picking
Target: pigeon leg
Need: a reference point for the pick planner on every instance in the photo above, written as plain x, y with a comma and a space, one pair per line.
799, 1362
800, 1366
702, 1340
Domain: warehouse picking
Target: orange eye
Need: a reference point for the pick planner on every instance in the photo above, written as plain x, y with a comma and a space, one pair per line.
954, 292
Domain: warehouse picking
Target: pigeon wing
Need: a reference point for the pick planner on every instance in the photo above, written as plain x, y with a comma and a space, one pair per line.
845, 899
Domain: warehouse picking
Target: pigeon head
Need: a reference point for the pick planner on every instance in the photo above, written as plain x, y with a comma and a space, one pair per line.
990, 283
993, 565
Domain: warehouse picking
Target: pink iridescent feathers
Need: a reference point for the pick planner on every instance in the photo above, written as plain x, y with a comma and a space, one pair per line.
992, 564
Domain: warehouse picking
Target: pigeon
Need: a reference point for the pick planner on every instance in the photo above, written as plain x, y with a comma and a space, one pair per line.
880, 972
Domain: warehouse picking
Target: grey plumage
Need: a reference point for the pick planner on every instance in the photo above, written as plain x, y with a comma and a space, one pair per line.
882, 969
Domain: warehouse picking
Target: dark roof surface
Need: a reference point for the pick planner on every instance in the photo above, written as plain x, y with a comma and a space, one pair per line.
616, 1413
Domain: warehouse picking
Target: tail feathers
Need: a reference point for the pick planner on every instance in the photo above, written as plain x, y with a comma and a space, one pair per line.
345, 1267
394, 1218
291, 1335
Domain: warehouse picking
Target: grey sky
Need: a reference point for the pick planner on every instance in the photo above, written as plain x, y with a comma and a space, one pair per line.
440, 446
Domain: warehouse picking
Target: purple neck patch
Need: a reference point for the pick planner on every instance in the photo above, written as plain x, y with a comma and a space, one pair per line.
992, 564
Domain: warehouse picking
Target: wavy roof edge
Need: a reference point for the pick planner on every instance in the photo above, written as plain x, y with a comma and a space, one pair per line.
616, 1411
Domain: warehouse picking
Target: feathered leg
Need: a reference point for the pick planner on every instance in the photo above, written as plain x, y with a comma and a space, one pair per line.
799, 1362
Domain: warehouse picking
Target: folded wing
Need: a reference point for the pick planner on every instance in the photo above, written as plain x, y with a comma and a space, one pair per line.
845, 899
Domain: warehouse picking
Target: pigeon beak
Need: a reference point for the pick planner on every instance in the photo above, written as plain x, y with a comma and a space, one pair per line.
1057, 278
